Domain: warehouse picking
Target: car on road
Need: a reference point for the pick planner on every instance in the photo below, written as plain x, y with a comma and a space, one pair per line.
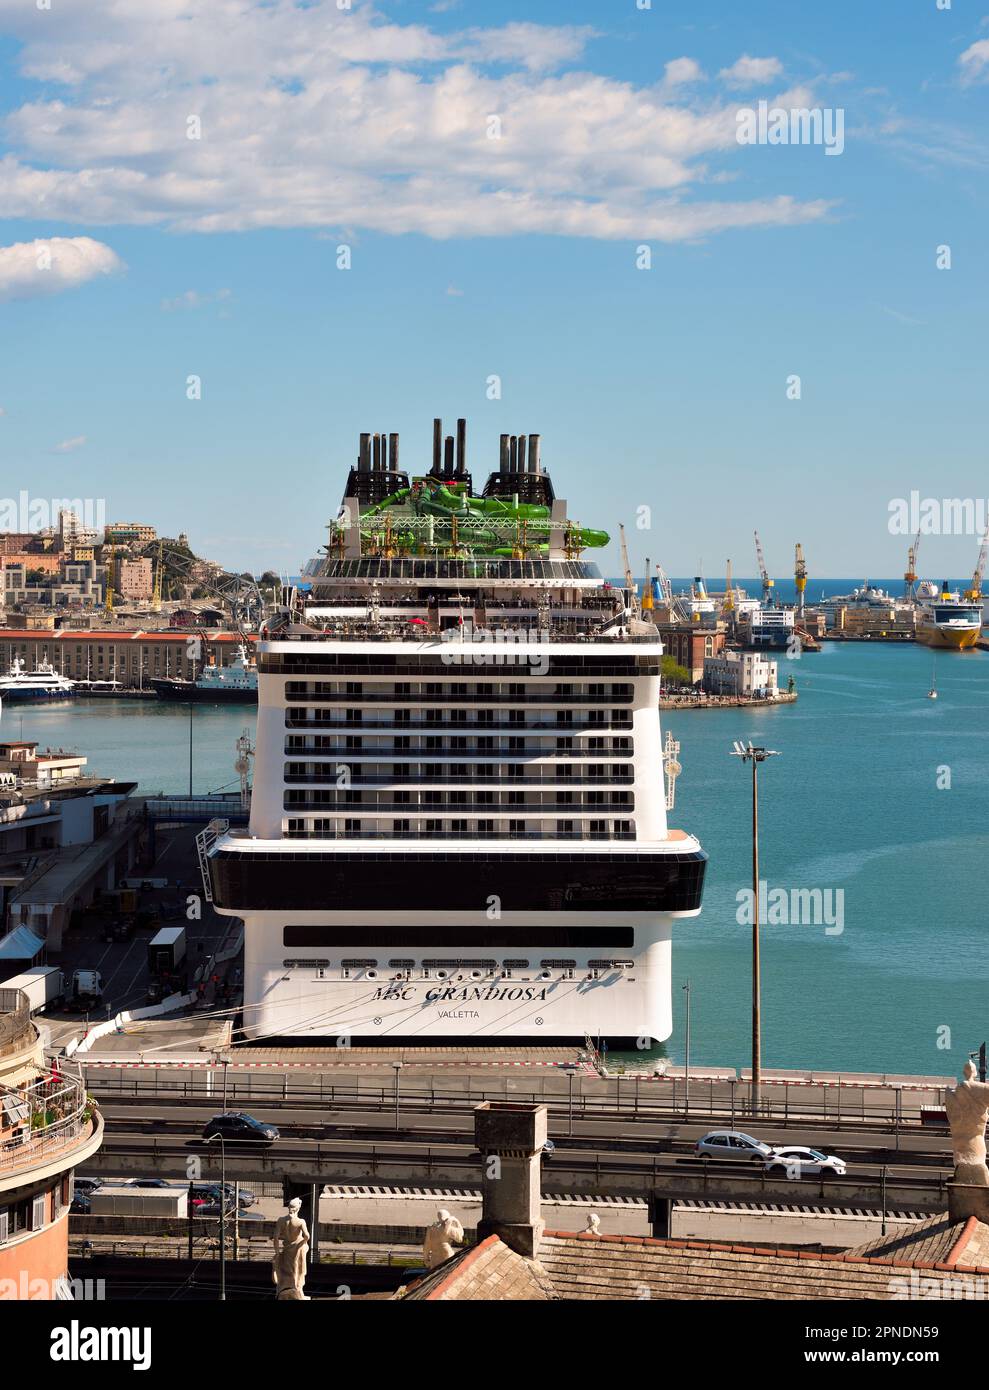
82, 1186
793, 1161
80, 1205
240, 1128
733, 1144
151, 1182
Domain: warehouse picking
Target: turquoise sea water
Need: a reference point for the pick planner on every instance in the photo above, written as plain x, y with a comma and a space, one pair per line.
851, 804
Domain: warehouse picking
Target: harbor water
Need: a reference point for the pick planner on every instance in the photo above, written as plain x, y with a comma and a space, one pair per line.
879, 793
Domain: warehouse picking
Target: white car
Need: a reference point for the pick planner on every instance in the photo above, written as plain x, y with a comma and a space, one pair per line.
793, 1161
731, 1144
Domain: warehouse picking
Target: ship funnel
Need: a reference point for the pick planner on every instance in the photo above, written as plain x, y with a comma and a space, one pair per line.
534, 462
437, 446
461, 448
364, 457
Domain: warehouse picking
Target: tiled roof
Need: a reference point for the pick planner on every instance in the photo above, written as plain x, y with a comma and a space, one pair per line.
490, 1271
938, 1240
575, 1266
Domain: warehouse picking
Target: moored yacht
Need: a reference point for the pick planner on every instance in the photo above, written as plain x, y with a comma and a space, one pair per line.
22, 686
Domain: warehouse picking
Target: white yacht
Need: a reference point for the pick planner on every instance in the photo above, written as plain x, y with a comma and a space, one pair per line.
21, 686
458, 826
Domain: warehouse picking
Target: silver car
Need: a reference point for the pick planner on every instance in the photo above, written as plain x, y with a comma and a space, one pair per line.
733, 1144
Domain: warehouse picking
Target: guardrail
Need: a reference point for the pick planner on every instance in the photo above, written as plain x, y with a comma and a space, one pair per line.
15, 1015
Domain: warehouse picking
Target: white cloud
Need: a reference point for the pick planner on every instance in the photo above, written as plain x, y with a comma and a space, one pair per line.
313, 117
681, 70
751, 72
193, 299
47, 265
68, 445
974, 62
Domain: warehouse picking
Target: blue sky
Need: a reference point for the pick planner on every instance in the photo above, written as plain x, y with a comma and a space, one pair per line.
472, 257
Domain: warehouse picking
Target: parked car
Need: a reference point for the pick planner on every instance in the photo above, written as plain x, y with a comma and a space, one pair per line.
151, 1182
82, 1186
733, 1144
213, 1209
208, 1193
240, 1128
246, 1197
80, 1205
793, 1161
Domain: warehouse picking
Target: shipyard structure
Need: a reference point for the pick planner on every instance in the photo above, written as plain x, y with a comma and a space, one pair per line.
459, 819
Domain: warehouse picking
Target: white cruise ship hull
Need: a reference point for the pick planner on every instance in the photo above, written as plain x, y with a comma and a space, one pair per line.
627, 1003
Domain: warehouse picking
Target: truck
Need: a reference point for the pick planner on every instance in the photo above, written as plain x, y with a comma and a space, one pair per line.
166, 951
44, 985
87, 986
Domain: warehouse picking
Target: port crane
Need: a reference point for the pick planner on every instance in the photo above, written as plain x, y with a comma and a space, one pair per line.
800, 577
767, 583
629, 581
728, 602
910, 577
974, 591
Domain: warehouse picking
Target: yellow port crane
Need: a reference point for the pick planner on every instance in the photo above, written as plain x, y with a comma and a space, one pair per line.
910, 578
629, 581
647, 589
974, 592
108, 604
800, 576
156, 592
767, 583
728, 603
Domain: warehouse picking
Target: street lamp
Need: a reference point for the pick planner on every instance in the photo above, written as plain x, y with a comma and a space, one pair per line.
755, 756
223, 1214
686, 1053
398, 1069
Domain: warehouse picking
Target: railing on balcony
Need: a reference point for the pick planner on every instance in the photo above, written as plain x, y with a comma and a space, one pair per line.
40, 1120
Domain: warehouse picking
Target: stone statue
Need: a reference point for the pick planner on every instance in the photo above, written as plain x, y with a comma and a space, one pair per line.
288, 1265
442, 1236
968, 1107
593, 1227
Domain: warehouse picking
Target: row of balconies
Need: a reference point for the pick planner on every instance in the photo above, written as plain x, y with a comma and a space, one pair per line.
452, 801
457, 830
433, 719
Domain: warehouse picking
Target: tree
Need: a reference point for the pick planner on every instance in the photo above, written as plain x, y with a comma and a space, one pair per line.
674, 674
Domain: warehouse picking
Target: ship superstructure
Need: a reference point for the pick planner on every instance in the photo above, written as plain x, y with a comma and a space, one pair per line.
459, 819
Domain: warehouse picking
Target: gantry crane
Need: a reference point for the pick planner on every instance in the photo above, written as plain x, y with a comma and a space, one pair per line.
800, 577
974, 592
767, 583
911, 575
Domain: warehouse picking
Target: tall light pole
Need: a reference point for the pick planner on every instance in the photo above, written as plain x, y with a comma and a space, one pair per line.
686, 1053
755, 756
223, 1213
398, 1071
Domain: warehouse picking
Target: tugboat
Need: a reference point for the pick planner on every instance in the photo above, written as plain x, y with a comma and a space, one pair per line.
233, 684
22, 686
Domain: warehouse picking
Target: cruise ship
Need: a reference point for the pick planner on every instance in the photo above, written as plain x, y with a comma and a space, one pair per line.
948, 620
458, 826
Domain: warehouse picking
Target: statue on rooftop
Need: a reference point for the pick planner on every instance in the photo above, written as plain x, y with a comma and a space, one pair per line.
442, 1237
288, 1265
967, 1107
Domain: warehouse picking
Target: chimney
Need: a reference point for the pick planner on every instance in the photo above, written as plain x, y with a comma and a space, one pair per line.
376, 452
534, 453
521, 462
511, 1200
364, 458
461, 448
393, 452
448, 455
513, 452
437, 445
503, 455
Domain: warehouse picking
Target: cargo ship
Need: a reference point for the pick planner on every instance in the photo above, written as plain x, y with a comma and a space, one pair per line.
458, 826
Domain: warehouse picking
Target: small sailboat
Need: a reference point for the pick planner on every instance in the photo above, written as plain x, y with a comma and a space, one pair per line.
932, 693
